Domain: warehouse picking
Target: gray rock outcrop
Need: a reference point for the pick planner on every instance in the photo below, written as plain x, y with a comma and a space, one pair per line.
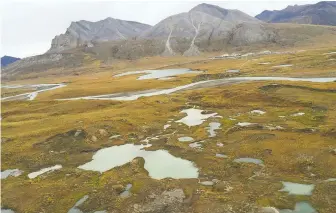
85, 33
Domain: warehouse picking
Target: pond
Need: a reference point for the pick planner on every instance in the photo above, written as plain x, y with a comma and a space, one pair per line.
160, 164
248, 160
297, 188
10, 172
185, 139
44, 170
194, 117
300, 207
212, 127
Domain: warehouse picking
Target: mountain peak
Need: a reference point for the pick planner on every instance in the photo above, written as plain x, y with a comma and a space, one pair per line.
321, 13
234, 16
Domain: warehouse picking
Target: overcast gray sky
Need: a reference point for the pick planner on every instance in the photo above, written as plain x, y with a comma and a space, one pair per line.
28, 26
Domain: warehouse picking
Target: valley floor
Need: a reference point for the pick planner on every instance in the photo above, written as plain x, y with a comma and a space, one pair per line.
285, 130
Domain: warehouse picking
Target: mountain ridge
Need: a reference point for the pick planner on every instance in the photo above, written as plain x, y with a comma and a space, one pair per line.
321, 13
6, 60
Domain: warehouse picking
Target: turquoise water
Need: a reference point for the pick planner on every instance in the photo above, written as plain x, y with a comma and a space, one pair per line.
297, 188
301, 207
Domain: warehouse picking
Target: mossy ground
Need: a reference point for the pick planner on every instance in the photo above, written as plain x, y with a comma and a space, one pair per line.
39, 134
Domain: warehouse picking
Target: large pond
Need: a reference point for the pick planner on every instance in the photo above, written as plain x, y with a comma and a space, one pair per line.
158, 74
159, 164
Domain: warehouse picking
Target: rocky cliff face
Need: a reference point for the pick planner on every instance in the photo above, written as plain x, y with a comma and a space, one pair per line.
86, 33
322, 13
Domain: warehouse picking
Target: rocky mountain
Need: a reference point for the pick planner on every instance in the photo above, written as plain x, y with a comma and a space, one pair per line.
207, 22
5, 60
205, 28
181, 32
87, 33
322, 13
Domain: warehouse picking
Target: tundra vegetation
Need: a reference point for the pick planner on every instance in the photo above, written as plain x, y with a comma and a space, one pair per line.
299, 149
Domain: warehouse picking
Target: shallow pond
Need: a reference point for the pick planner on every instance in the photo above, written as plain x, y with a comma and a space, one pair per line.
207, 183
10, 172
300, 207
7, 211
221, 155
74, 209
242, 124
44, 170
194, 117
196, 145
233, 71
166, 126
158, 74
248, 160
257, 111
283, 65
185, 139
159, 164
212, 127
298, 114
297, 188
330, 180
126, 193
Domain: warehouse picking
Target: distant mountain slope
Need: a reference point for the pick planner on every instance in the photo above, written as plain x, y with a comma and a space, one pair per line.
82, 33
322, 13
207, 22
205, 18
5, 60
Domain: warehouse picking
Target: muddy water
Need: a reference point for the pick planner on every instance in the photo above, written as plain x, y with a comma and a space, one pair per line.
159, 164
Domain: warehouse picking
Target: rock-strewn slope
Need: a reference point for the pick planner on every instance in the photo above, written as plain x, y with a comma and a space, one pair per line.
322, 13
